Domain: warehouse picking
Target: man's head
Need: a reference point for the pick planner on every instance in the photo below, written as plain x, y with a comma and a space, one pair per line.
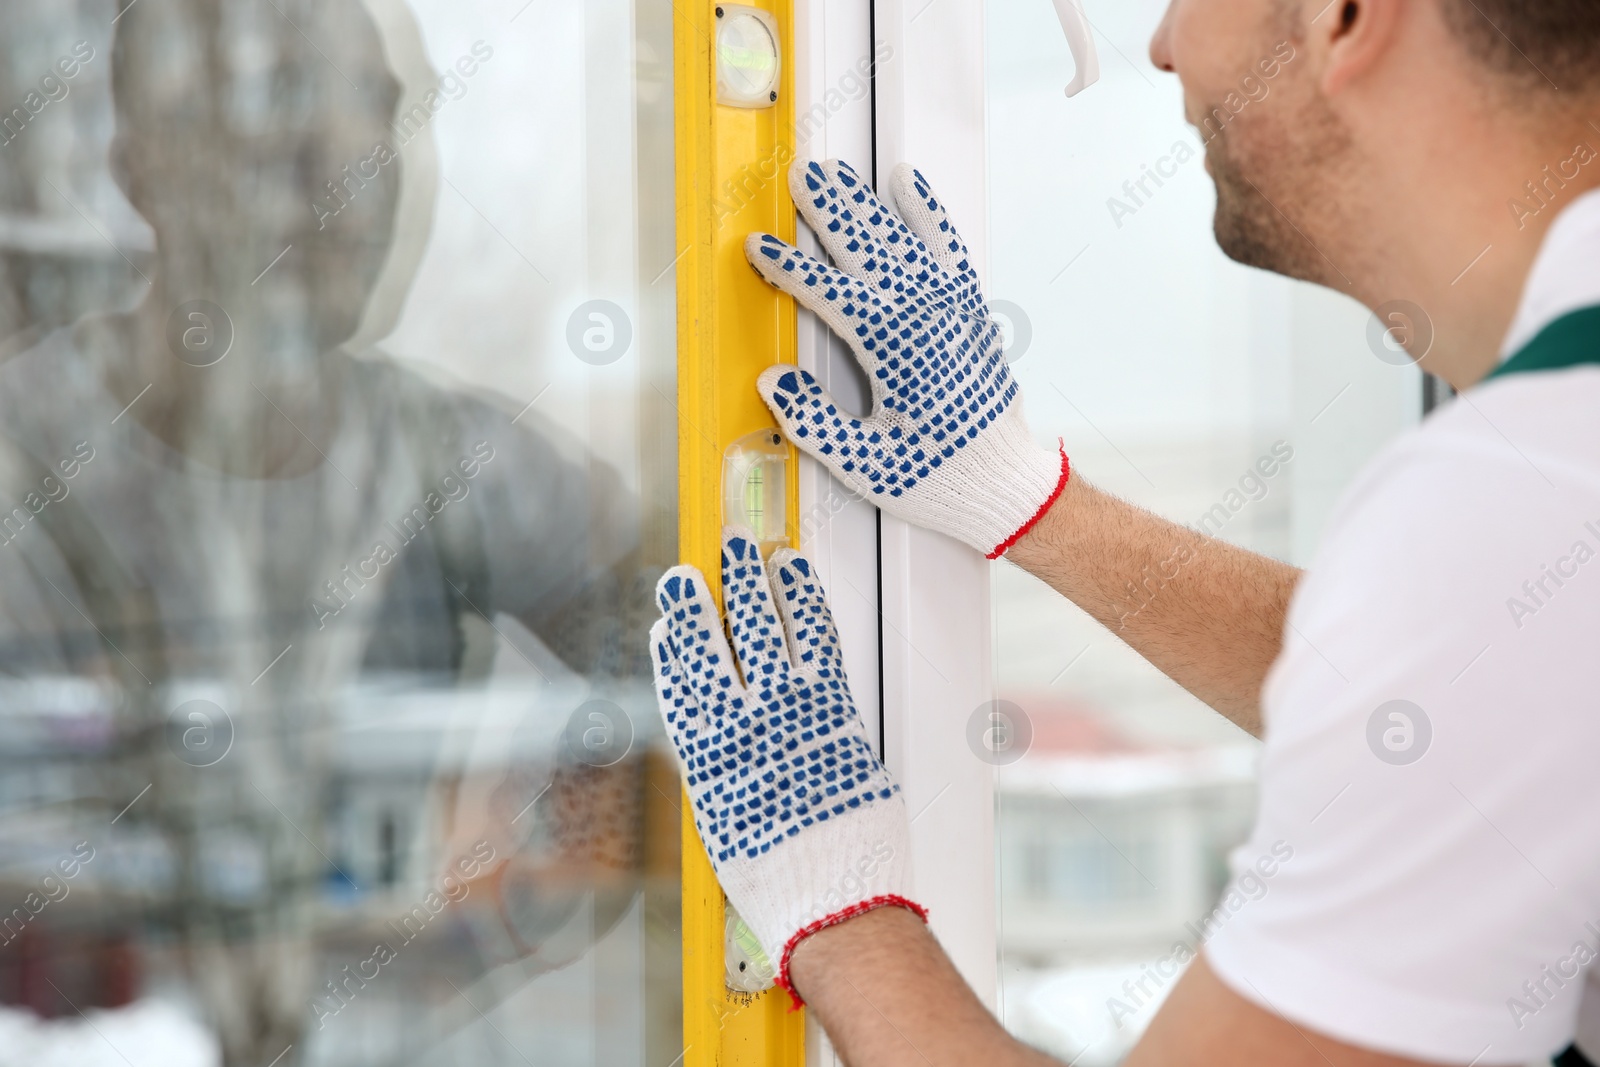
234, 121
1326, 122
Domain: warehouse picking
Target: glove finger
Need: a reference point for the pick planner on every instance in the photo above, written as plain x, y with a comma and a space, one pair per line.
869, 240
866, 238
810, 418
841, 301
679, 710
869, 456
807, 620
747, 598
926, 217
694, 634
700, 754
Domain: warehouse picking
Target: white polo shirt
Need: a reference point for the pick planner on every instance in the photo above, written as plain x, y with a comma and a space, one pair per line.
1432, 756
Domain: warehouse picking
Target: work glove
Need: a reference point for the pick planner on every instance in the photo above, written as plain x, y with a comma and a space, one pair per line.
803, 824
945, 445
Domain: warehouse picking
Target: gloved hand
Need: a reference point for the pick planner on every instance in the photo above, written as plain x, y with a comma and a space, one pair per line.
946, 445
803, 825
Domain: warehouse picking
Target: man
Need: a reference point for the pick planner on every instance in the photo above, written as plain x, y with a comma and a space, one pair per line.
213, 497
1425, 690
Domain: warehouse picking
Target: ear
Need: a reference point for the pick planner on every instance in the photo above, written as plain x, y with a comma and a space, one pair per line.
1358, 35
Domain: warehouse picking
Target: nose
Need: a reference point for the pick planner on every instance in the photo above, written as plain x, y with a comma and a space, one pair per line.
1161, 42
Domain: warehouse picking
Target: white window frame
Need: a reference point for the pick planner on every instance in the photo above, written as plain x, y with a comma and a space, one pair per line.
912, 606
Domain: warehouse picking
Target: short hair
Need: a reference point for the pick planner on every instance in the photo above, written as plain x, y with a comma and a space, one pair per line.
1553, 43
179, 62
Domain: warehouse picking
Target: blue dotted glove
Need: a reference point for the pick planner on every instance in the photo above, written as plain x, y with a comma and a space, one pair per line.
946, 445
803, 825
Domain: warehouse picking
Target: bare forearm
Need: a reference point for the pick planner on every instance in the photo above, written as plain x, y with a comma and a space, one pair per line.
1208, 614
887, 995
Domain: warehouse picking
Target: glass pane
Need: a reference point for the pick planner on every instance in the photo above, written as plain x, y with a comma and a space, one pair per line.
337, 464
1170, 372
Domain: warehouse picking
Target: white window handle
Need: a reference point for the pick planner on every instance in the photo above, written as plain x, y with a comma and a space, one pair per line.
1081, 41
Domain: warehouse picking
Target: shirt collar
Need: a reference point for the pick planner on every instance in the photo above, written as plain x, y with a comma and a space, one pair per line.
1565, 274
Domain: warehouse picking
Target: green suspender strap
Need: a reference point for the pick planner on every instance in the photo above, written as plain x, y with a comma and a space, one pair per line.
1572, 339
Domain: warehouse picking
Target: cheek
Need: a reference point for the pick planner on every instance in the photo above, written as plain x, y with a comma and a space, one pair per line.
1215, 43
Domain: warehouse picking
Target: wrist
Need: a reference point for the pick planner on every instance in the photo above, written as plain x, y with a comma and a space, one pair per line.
1042, 475
886, 903
1042, 540
835, 952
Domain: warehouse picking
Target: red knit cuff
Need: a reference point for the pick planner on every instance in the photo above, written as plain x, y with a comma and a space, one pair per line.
1066, 473
859, 908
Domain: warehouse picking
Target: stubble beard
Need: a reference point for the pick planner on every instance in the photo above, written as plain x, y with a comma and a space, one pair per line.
1278, 197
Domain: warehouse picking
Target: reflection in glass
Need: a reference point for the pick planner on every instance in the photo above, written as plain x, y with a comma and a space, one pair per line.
326, 733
